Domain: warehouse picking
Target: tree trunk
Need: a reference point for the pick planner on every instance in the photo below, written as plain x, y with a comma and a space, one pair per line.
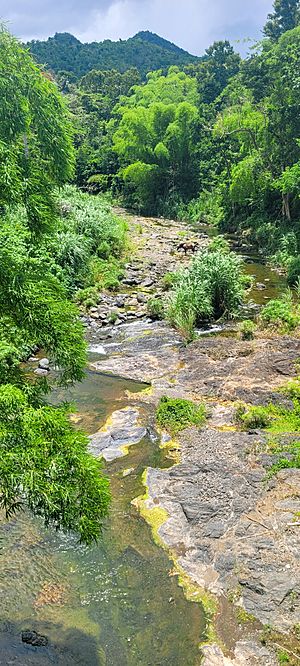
286, 209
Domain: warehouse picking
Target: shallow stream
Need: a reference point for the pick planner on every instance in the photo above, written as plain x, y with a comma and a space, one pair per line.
115, 603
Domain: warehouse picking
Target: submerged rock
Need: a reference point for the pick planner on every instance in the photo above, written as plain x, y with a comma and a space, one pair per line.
120, 431
33, 638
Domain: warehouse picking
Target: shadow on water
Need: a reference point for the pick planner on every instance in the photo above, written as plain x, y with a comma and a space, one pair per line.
71, 647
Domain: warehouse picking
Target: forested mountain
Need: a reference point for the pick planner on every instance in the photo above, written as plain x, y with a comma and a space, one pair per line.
145, 51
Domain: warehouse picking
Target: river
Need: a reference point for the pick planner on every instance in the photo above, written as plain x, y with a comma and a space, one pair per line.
116, 603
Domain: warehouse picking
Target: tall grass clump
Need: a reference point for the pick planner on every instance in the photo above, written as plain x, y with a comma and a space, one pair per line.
87, 242
281, 314
210, 289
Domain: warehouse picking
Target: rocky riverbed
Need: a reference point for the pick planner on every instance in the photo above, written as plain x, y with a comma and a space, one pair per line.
229, 528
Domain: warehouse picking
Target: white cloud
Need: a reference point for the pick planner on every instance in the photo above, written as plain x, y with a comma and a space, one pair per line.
192, 24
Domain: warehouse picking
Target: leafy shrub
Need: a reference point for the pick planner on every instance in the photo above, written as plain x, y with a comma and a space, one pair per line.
106, 274
211, 288
287, 248
253, 417
281, 313
273, 417
247, 329
283, 657
207, 209
219, 244
293, 275
168, 281
88, 297
175, 414
292, 389
90, 230
156, 309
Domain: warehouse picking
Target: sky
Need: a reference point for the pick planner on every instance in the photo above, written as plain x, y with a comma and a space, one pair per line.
191, 24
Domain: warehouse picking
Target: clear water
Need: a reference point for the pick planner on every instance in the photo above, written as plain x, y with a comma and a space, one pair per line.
114, 604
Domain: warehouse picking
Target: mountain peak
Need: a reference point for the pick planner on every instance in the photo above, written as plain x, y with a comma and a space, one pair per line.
153, 38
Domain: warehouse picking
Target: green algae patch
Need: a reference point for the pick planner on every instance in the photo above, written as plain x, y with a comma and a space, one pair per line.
172, 450
193, 592
156, 517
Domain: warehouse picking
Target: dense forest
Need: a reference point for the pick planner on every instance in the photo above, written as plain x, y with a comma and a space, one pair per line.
215, 140
145, 51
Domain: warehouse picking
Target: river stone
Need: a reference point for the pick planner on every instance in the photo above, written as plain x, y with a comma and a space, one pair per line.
211, 498
141, 298
147, 283
44, 364
122, 429
40, 372
215, 529
246, 653
32, 638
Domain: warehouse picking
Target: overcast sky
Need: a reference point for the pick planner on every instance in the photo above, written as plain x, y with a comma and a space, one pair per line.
192, 24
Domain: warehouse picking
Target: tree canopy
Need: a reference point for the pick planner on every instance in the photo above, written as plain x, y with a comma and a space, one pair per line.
286, 16
44, 463
145, 51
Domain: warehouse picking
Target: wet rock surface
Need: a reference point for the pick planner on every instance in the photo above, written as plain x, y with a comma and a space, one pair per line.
247, 653
121, 430
228, 527
142, 352
34, 639
235, 531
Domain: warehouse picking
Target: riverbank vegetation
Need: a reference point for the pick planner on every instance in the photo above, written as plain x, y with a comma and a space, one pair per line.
175, 414
44, 462
210, 289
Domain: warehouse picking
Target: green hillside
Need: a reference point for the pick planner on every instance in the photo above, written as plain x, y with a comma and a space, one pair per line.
145, 51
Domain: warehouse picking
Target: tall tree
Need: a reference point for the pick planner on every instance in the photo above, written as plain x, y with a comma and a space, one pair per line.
44, 462
286, 16
156, 137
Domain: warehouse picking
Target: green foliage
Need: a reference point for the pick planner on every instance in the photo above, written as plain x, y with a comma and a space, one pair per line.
36, 152
213, 73
274, 418
88, 297
207, 209
247, 329
293, 275
106, 274
286, 16
145, 51
155, 140
175, 414
86, 246
292, 389
286, 254
281, 313
156, 308
283, 657
168, 281
211, 288
219, 244
252, 418
45, 465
